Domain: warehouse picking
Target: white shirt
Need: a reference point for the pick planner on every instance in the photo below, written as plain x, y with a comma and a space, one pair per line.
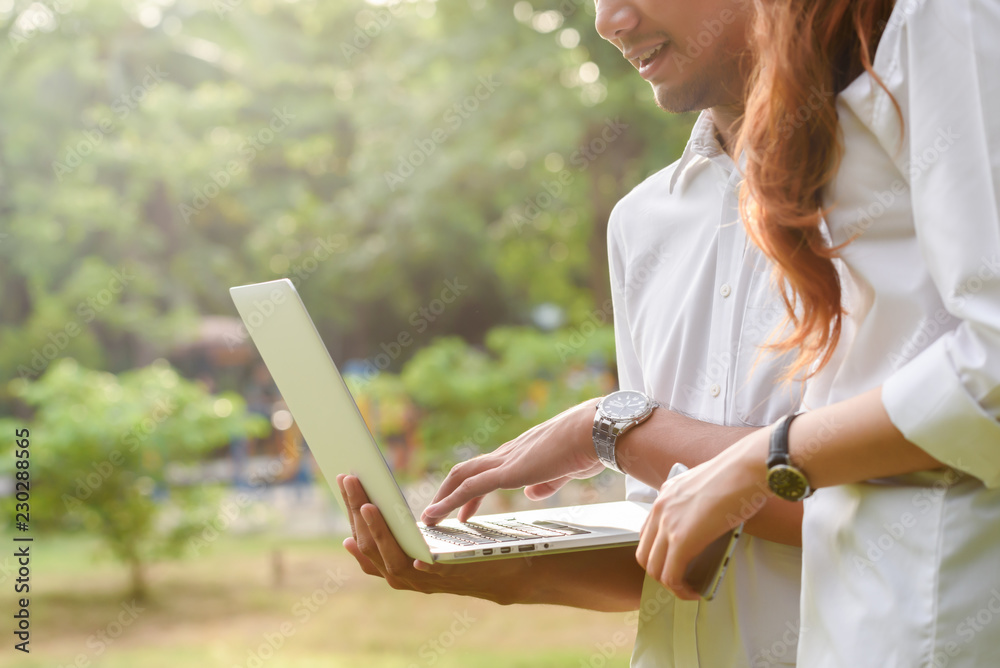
692, 301
906, 572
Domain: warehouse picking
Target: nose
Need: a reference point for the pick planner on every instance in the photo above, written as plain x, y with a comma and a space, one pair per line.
615, 18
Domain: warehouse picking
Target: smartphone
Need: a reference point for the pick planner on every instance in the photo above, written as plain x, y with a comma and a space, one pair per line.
705, 572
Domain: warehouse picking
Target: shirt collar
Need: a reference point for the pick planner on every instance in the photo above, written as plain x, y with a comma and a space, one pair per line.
703, 143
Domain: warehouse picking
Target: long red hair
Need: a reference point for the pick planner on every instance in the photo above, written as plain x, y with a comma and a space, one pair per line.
807, 51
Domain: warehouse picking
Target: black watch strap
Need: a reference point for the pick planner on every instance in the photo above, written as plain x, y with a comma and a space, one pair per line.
778, 454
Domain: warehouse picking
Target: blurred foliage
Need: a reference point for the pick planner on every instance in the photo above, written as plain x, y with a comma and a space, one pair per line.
155, 152
99, 454
431, 175
470, 400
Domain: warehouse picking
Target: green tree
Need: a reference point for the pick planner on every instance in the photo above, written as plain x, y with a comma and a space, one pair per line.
475, 399
105, 451
192, 146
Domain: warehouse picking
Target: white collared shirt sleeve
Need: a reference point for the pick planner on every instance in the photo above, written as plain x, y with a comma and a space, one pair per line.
629, 367
947, 399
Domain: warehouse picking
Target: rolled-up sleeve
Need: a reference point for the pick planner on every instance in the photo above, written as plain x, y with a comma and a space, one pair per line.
946, 400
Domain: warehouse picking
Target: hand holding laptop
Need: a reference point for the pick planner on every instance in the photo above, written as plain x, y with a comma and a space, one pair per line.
378, 553
608, 580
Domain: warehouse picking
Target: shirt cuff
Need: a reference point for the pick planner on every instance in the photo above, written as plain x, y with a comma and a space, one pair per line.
638, 492
926, 401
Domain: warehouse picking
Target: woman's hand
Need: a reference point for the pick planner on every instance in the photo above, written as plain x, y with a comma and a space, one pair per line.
541, 460
694, 509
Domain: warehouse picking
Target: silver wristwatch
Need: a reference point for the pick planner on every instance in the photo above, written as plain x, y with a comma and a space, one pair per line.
617, 413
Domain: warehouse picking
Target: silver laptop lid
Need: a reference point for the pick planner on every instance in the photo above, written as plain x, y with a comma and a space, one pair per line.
320, 402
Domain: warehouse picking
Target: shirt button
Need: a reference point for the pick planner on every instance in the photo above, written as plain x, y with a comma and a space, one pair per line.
715, 390
725, 290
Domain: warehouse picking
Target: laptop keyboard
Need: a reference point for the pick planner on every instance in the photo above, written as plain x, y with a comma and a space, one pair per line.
490, 533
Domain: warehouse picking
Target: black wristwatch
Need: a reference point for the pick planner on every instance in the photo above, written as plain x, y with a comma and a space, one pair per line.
784, 479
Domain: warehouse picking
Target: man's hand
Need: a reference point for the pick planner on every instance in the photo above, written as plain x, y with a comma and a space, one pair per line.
541, 460
608, 580
378, 553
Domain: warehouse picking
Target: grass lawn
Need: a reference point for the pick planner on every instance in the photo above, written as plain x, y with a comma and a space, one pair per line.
223, 609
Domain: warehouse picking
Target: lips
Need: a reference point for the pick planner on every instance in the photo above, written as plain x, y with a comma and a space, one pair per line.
644, 53
649, 61
645, 57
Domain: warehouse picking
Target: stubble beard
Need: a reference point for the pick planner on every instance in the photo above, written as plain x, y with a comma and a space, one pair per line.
718, 82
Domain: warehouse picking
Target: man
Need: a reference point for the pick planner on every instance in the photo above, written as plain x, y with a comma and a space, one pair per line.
692, 304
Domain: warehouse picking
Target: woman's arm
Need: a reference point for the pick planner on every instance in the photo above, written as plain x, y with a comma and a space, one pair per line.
648, 452
851, 441
847, 442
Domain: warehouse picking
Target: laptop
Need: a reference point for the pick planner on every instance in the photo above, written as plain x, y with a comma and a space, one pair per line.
341, 442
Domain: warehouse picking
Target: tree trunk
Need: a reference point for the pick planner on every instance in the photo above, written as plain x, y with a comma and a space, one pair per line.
137, 575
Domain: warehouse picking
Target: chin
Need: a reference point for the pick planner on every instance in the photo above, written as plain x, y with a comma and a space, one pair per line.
683, 98
709, 86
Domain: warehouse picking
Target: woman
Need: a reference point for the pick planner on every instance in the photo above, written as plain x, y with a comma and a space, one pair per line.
899, 334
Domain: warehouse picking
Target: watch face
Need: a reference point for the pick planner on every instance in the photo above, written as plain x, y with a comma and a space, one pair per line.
625, 405
787, 482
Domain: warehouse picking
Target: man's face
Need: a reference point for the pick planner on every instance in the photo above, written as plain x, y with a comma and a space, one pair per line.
692, 52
